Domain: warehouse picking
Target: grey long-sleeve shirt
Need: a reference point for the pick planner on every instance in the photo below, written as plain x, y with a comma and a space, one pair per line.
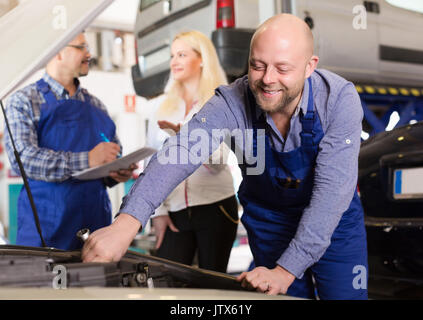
339, 108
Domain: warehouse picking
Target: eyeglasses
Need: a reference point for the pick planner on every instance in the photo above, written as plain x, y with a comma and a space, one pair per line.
81, 47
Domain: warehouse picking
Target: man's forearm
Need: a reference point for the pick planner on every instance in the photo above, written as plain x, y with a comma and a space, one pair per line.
153, 186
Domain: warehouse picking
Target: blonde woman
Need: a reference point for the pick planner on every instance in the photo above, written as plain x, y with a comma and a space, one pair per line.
201, 214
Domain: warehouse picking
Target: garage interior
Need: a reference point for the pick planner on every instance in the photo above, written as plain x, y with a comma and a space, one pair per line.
374, 44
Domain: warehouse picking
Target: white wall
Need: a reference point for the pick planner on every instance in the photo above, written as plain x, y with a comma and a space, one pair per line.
111, 88
121, 14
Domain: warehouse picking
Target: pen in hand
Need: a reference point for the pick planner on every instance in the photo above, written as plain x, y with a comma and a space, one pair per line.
105, 139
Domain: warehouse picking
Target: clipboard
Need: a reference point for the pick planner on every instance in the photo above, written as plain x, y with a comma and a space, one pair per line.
118, 164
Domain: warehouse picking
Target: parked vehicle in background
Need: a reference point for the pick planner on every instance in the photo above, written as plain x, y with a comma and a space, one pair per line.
230, 24
367, 46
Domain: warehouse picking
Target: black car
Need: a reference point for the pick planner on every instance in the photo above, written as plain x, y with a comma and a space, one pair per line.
389, 172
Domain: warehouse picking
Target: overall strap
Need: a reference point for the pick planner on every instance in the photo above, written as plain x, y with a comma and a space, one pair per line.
48, 95
307, 120
86, 97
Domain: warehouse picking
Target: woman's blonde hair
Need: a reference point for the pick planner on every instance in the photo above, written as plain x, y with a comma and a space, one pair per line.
212, 74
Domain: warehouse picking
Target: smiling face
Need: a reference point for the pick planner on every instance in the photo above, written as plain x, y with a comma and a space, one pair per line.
185, 62
76, 60
279, 64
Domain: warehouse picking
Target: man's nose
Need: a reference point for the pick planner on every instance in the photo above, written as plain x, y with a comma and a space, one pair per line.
269, 76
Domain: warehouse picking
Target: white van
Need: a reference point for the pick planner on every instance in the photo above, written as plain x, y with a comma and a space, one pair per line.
230, 24
371, 42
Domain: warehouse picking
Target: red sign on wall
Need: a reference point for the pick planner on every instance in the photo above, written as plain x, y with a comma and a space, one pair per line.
130, 103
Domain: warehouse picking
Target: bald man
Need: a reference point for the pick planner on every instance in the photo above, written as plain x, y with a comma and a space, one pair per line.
302, 212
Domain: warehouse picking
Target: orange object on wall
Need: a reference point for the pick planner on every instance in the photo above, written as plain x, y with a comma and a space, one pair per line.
130, 103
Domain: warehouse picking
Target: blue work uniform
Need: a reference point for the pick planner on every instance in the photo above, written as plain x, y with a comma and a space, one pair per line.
302, 211
65, 207
273, 204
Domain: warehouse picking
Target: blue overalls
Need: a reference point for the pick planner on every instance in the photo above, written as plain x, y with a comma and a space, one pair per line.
68, 206
273, 204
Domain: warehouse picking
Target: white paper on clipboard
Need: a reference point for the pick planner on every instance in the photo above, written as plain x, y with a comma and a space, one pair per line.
118, 164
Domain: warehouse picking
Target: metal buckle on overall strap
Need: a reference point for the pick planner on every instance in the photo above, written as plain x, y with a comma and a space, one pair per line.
289, 183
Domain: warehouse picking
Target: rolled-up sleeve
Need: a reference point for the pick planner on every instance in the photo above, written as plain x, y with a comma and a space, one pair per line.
335, 182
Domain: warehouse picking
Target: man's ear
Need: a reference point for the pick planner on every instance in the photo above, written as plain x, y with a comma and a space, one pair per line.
59, 55
311, 65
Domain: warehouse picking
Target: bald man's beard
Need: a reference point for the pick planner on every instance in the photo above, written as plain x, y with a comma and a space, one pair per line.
287, 96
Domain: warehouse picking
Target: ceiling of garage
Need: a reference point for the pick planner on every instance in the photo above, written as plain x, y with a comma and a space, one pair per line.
119, 15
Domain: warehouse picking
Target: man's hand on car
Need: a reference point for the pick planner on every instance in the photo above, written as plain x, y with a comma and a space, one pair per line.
270, 281
111, 243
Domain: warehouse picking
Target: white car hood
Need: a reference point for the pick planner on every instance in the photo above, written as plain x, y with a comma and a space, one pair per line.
34, 31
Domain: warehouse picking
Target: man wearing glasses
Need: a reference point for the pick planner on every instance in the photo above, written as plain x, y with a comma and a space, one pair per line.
57, 126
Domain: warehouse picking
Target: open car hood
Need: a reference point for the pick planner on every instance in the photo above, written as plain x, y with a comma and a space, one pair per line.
140, 276
36, 31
